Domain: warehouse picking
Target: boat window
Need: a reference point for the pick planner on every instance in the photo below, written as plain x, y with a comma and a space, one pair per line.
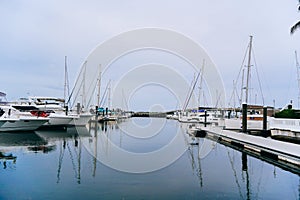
1, 112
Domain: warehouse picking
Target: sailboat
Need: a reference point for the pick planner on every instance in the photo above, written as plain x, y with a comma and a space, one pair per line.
254, 116
192, 116
79, 117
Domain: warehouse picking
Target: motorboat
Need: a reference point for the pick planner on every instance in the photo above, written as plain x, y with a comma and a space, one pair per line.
13, 120
54, 109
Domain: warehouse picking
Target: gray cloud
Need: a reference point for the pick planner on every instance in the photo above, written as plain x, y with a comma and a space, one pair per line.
36, 35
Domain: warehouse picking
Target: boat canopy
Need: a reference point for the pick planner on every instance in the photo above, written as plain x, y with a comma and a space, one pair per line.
47, 99
2, 94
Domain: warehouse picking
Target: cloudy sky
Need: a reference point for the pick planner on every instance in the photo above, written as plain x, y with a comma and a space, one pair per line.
36, 35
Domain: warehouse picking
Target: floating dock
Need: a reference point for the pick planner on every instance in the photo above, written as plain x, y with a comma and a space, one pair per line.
283, 154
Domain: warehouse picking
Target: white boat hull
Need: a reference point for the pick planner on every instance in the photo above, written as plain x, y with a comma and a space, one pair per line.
284, 133
80, 120
236, 124
23, 124
58, 120
285, 127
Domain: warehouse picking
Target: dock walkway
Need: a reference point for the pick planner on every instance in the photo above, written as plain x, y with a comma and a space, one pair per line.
265, 147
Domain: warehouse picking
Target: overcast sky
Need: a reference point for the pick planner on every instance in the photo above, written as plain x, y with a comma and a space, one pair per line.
36, 35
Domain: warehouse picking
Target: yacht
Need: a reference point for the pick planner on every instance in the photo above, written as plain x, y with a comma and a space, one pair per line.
199, 117
12, 120
54, 109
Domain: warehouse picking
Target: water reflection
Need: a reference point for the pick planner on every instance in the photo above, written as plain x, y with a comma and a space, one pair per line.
69, 144
251, 175
73, 173
195, 159
11, 142
4, 158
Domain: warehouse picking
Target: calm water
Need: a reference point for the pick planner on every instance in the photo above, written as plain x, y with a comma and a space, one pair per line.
60, 165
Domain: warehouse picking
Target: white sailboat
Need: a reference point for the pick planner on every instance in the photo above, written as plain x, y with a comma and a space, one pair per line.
186, 116
254, 118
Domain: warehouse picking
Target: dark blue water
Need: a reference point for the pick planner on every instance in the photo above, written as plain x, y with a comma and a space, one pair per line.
58, 165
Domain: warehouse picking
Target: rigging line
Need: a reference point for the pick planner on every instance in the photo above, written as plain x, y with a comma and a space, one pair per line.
93, 90
81, 70
93, 87
191, 93
259, 180
235, 175
190, 154
105, 93
218, 95
232, 94
60, 160
259, 82
200, 85
73, 103
72, 160
103, 100
242, 66
199, 165
124, 99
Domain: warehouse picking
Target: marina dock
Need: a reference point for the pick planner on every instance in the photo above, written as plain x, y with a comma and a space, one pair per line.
283, 154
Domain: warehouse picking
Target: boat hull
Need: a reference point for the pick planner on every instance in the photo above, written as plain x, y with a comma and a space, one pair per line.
236, 124
59, 120
80, 120
22, 124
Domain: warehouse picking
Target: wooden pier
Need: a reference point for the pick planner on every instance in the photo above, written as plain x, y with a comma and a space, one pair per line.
283, 154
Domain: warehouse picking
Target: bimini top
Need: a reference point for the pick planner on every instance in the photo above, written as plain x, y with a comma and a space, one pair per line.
2, 94
47, 99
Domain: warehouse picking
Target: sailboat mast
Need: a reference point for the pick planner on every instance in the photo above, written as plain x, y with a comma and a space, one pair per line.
298, 77
242, 89
192, 89
248, 68
99, 85
109, 95
83, 86
65, 85
200, 85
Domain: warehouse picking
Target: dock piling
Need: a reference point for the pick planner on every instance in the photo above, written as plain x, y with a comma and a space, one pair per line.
205, 118
244, 120
265, 118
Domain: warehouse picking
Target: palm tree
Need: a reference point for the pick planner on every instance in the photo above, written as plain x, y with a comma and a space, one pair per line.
297, 25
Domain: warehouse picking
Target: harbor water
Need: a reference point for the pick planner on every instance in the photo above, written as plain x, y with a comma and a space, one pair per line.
67, 164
